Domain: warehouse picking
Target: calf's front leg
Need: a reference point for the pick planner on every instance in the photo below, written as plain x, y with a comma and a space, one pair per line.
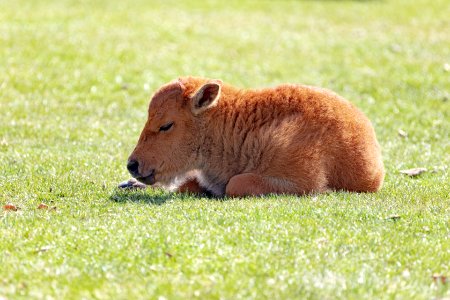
192, 186
251, 184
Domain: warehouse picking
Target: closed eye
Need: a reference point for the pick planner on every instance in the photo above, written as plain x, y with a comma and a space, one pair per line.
166, 127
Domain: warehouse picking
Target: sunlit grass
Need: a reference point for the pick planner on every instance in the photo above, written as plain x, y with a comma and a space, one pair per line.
75, 80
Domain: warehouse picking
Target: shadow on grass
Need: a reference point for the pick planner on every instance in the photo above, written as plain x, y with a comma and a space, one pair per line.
148, 196
152, 196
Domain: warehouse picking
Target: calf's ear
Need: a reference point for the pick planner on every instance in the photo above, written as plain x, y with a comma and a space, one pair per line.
206, 97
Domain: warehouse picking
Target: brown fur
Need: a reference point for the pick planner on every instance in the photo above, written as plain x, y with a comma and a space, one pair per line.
291, 139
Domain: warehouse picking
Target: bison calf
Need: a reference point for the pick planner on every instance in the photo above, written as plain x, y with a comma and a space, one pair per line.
205, 136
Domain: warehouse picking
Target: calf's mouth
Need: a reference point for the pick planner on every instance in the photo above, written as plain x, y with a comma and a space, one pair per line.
149, 180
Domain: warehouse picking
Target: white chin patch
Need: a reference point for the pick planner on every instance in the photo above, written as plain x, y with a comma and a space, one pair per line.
178, 180
175, 183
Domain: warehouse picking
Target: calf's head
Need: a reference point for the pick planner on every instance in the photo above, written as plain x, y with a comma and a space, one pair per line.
170, 141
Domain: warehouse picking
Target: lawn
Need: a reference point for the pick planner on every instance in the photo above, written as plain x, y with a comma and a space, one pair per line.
75, 81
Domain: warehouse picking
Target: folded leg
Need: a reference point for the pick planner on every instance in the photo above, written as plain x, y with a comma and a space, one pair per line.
251, 184
192, 186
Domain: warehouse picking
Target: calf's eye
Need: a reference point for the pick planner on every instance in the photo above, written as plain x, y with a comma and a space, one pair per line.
166, 127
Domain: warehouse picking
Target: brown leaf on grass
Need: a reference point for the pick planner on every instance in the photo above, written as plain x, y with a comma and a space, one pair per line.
413, 172
394, 217
22, 285
447, 67
402, 133
10, 207
43, 249
439, 278
42, 206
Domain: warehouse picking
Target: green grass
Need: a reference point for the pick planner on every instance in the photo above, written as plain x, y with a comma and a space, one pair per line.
75, 80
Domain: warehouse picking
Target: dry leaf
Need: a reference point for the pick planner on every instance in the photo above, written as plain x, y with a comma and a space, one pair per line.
42, 206
413, 172
22, 285
43, 249
402, 133
10, 207
447, 67
439, 278
394, 217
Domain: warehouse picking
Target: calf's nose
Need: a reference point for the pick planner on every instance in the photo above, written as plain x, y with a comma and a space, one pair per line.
133, 166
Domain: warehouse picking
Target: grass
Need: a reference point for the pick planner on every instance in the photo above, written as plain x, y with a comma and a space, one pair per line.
75, 80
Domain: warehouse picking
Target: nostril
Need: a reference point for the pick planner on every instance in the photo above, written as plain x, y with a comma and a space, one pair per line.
133, 166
